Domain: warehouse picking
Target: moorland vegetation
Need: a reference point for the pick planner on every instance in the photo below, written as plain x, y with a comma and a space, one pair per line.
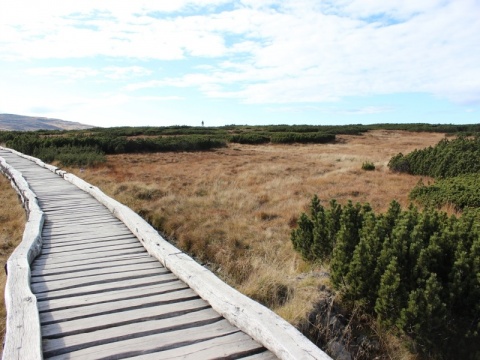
235, 206
415, 271
89, 147
455, 164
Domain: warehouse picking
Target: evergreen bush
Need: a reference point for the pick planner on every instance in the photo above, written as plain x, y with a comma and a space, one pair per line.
368, 166
415, 271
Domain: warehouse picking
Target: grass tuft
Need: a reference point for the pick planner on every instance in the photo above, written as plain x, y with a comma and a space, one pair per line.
368, 166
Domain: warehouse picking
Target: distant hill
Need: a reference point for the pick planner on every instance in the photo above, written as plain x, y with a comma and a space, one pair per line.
12, 122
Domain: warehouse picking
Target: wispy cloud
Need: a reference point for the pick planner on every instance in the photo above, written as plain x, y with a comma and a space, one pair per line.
69, 73
64, 72
368, 110
253, 52
307, 55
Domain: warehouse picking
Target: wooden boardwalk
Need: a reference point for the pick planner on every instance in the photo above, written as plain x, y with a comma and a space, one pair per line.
100, 295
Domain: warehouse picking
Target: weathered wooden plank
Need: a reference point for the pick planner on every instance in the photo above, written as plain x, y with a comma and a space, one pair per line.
84, 206
58, 240
85, 215
80, 326
118, 306
47, 265
98, 272
50, 259
80, 244
111, 286
59, 221
236, 345
66, 193
94, 231
64, 345
67, 213
64, 199
85, 254
88, 248
77, 231
154, 343
40, 270
83, 209
55, 191
62, 226
56, 183
101, 266
99, 298
64, 284
77, 228
80, 203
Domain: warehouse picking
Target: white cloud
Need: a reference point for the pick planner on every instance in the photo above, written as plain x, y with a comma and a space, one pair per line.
66, 72
368, 110
160, 98
396, 9
71, 73
118, 72
268, 51
304, 55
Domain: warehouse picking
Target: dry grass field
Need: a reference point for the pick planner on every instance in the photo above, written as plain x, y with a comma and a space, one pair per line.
234, 208
12, 224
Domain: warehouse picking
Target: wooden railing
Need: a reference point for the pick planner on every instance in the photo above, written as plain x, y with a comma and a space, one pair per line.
23, 338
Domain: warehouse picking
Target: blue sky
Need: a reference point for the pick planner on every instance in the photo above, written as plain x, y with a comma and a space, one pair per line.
181, 62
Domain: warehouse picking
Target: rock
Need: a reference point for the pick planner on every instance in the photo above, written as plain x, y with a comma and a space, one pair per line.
338, 350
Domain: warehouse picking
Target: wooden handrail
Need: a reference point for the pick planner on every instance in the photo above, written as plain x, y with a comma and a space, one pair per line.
23, 338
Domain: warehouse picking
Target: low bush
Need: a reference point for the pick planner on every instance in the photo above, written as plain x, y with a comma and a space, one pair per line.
249, 138
461, 191
415, 271
368, 166
304, 138
70, 156
447, 159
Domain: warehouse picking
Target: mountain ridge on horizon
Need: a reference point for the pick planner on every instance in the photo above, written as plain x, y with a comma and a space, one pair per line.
13, 122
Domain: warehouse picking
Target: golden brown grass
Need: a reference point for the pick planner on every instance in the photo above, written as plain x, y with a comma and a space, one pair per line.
12, 224
234, 208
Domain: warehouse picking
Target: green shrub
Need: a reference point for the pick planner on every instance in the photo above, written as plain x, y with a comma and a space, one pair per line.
461, 191
448, 158
249, 138
290, 138
71, 156
415, 271
399, 163
368, 166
